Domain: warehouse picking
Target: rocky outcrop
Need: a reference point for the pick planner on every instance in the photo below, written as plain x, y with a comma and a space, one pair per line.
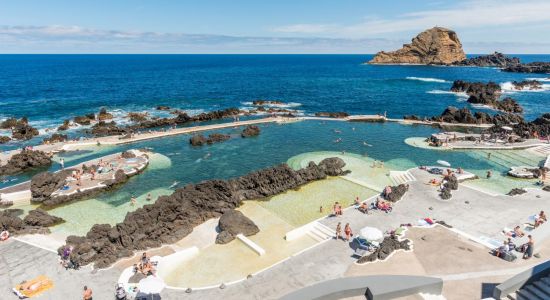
451, 182
4, 139
163, 107
22, 130
539, 127
488, 94
387, 247
337, 115
199, 139
36, 222
534, 67
8, 123
103, 128
39, 217
25, 160
436, 46
463, 115
65, 126
137, 117
445, 194
83, 120
516, 191
266, 102
233, 222
496, 59
527, 84
128, 154
173, 217
55, 138
397, 192
250, 130
45, 183
104, 115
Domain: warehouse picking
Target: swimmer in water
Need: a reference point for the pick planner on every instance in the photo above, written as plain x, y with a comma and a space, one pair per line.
207, 155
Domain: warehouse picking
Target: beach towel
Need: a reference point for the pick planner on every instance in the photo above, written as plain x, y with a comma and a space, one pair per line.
33, 287
429, 221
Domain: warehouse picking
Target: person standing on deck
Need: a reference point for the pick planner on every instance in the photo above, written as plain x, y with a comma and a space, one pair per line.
62, 163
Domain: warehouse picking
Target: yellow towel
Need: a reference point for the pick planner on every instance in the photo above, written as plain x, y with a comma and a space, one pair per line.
35, 286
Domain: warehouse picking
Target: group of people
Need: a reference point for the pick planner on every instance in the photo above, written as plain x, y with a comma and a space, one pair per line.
347, 231
145, 266
527, 248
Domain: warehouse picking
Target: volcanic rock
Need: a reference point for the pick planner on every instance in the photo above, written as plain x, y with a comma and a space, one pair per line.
137, 116
445, 194
65, 126
22, 130
516, 191
173, 217
39, 217
437, 46
25, 160
337, 115
8, 123
534, 67
527, 84
162, 107
55, 138
496, 59
82, 120
233, 222
102, 128
199, 139
250, 130
104, 115
387, 247
45, 183
128, 154
397, 192
266, 102
451, 182
4, 139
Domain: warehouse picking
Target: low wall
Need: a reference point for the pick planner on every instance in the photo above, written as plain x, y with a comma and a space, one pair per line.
372, 287
524, 278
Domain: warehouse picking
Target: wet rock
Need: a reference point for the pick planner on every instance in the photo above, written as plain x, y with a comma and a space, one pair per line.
103, 128
527, 84
25, 160
83, 120
8, 123
137, 117
104, 115
163, 107
199, 139
173, 217
387, 247
534, 67
10, 220
337, 115
496, 59
464, 116
266, 102
22, 130
487, 94
128, 154
39, 217
4, 139
55, 138
233, 222
250, 130
65, 126
516, 191
438, 46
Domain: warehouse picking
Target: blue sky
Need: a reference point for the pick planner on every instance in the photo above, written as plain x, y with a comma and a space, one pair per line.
282, 26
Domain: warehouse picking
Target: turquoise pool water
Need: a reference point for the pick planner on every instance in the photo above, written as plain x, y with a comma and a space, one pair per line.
179, 162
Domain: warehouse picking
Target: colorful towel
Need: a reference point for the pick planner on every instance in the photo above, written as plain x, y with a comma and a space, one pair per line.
33, 287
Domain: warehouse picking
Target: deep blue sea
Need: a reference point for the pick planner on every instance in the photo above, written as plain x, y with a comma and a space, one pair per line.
50, 88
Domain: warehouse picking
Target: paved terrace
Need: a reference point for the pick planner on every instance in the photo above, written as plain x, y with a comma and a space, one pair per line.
476, 217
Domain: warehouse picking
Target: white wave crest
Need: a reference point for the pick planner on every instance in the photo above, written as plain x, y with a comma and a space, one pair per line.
427, 79
508, 87
458, 94
279, 105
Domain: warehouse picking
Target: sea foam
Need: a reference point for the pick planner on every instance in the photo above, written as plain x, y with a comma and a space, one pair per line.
508, 87
427, 79
458, 94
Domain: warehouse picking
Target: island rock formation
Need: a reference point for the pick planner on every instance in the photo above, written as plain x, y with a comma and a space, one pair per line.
488, 94
199, 139
250, 130
173, 217
233, 222
25, 160
435, 46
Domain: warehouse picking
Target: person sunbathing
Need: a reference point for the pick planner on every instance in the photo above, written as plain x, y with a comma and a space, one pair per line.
540, 219
364, 208
518, 232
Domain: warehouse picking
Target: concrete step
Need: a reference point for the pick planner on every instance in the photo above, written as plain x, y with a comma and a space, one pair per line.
315, 237
324, 229
512, 296
526, 295
320, 234
536, 291
543, 287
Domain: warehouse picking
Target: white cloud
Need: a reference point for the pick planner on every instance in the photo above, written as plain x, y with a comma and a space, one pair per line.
470, 14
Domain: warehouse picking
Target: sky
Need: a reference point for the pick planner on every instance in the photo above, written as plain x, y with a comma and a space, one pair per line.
262, 26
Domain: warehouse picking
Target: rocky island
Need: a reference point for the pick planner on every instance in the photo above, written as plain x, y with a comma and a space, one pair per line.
435, 46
